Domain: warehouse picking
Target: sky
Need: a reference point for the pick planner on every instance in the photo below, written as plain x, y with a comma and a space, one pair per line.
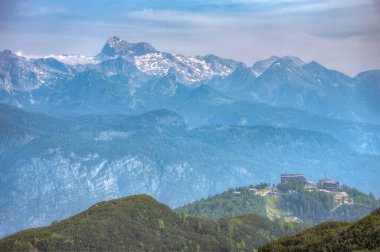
340, 34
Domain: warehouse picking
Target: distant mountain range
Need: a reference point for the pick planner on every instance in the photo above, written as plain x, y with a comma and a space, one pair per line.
126, 72
136, 120
221, 91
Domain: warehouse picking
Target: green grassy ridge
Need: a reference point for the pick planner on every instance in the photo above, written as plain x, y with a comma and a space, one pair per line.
362, 235
140, 223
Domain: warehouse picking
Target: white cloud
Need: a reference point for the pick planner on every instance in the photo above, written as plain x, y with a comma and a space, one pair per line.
339, 41
67, 59
74, 59
31, 10
179, 17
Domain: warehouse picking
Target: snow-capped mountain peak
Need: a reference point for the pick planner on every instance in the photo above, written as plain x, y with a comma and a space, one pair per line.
24, 75
18, 73
152, 62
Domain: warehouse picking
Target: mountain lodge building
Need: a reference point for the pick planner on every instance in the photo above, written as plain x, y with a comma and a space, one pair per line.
292, 178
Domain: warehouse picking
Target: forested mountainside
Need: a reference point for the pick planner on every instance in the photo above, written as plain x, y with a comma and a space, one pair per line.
286, 202
140, 223
363, 235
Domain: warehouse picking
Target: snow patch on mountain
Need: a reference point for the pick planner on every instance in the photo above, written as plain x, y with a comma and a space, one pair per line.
192, 69
111, 135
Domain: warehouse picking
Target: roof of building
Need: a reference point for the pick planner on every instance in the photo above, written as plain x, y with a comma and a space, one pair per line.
328, 181
292, 175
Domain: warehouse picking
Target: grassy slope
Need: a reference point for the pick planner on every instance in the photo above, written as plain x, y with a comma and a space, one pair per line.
333, 236
139, 223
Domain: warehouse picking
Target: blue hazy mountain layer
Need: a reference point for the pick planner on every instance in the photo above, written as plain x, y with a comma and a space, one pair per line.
136, 120
53, 168
288, 82
129, 91
91, 92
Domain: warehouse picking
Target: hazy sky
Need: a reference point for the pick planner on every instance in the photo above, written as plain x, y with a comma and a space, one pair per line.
340, 34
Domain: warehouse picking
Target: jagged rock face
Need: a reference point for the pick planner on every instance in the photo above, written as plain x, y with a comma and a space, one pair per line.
116, 47
17, 74
148, 60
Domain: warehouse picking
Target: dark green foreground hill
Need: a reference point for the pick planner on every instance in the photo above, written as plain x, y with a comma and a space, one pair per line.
362, 235
140, 223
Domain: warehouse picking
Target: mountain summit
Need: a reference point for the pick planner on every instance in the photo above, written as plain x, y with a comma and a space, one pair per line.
116, 47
